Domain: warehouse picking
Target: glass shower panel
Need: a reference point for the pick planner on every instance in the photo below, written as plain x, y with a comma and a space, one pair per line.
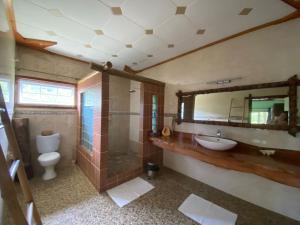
87, 119
123, 129
154, 113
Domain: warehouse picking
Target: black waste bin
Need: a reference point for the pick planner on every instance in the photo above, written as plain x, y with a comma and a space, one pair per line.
152, 169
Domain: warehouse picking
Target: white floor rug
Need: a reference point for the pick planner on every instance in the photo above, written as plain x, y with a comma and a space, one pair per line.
205, 212
129, 191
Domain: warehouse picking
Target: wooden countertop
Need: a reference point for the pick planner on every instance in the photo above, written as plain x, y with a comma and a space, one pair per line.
283, 166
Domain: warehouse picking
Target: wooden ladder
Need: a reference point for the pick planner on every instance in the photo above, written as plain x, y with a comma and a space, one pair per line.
8, 173
243, 107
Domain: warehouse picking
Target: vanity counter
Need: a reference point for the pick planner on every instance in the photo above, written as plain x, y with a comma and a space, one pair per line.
283, 166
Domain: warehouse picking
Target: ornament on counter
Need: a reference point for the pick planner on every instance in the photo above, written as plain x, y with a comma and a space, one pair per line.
166, 132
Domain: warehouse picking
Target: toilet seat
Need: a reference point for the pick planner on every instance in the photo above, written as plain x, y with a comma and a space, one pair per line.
51, 156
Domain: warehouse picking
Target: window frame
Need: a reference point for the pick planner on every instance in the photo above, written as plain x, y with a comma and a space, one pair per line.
55, 82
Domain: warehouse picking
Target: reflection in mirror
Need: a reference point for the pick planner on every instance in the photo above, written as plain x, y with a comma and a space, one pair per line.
187, 108
257, 106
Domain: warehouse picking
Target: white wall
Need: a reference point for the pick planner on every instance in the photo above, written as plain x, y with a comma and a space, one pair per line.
268, 55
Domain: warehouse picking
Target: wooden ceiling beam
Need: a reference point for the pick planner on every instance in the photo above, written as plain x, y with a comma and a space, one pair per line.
129, 69
293, 3
123, 74
33, 43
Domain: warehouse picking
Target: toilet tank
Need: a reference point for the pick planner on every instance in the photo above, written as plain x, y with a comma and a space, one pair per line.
46, 144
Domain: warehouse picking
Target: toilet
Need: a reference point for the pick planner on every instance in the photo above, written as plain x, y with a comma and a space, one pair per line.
48, 146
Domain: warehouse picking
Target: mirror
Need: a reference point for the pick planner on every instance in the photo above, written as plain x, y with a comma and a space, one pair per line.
265, 106
257, 106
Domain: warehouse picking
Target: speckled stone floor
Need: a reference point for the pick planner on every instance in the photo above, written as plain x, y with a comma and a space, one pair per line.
70, 199
118, 163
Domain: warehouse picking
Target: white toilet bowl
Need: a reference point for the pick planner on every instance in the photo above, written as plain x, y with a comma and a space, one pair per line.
47, 146
48, 161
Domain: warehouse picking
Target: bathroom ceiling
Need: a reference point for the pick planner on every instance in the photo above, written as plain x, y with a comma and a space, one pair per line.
139, 33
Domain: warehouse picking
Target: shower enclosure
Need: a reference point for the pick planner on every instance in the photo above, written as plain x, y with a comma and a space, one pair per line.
116, 116
123, 125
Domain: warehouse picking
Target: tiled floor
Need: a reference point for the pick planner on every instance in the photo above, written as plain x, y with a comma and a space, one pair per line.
71, 200
119, 163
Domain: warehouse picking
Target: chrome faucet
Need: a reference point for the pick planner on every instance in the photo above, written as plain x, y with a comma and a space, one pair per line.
219, 134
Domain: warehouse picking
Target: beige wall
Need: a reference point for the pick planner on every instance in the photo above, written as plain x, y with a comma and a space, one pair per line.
35, 63
268, 55
61, 121
7, 71
39, 64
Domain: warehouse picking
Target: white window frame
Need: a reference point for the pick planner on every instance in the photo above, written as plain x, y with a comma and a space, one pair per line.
19, 80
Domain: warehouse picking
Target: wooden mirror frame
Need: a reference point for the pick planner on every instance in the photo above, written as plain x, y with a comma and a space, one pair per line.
292, 83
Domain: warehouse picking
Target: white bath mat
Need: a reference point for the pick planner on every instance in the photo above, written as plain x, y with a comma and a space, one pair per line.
129, 191
205, 212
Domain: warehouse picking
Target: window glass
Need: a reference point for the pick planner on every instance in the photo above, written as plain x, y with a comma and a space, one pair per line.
259, 117
5, 89
154, 113
87, 118
37, 92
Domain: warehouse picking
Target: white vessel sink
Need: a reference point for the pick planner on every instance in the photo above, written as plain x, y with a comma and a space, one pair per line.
215, 143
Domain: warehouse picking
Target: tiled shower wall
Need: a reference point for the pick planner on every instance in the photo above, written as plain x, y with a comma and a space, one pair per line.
94, 163
151, 153
147, 152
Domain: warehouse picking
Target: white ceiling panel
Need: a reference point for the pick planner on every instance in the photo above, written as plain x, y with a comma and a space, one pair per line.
148, 42
97, 15
72, 23
68, 48
148, 13
106, 44
132, 55
176, 29
94, 55
28, 31
203, 12
112, 3
148, 62
36, 16
122, 29
183, 2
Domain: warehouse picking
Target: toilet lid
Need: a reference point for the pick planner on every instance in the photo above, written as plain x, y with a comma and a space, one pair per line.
49, 156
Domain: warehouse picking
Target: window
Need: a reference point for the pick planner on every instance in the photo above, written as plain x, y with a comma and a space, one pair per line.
5, 89
45, 93
259, 117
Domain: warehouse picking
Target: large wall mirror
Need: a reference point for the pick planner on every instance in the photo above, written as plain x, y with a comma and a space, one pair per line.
266, 106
